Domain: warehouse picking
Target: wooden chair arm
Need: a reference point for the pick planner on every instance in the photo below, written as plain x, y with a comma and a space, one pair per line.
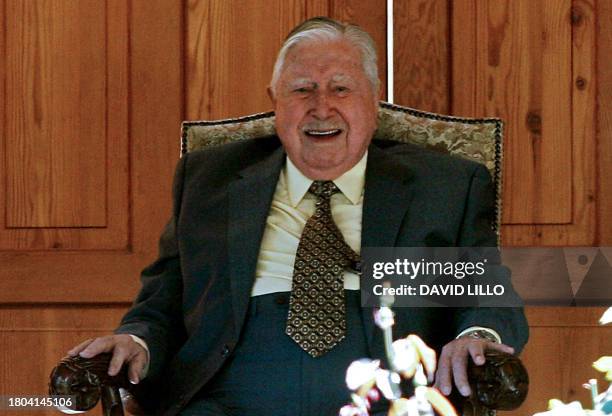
88, 381
500, 384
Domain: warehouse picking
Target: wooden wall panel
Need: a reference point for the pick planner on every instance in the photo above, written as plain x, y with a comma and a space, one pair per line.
422, 61
477, 32
232, 46
532, 64
32, 340
582, 229
522, 73
603, 196
372, 17
143, 111
48, 130
64, 130
156, 112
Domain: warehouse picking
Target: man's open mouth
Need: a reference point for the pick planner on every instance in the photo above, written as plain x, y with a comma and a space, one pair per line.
323, 133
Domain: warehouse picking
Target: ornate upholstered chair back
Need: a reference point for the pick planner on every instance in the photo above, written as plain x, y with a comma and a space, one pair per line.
479, 140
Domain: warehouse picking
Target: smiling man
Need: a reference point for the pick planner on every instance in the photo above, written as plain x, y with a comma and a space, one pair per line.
326, 107
253, 305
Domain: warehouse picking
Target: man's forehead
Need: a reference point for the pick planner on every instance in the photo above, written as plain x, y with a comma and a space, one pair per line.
333, 67
340, 77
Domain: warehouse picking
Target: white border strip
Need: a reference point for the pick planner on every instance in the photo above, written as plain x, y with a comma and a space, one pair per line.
390, 51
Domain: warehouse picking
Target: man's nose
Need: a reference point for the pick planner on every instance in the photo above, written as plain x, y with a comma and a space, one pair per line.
321, 106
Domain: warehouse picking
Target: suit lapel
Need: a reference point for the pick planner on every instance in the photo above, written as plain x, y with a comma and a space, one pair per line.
387, 196
250, 196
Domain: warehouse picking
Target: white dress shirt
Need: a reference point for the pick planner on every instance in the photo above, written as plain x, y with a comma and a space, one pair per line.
292, 205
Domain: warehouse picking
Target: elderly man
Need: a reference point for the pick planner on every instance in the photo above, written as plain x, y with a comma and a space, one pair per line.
253, 306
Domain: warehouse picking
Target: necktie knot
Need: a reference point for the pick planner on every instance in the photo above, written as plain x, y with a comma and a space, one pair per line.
323, 189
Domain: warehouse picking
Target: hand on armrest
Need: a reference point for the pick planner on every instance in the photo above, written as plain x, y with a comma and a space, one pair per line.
124, 349
453, 362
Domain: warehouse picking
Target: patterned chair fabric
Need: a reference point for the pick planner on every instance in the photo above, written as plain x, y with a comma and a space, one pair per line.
479, 140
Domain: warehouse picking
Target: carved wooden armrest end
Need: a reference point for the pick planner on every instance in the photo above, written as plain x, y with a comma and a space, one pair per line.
500, 384
88, 381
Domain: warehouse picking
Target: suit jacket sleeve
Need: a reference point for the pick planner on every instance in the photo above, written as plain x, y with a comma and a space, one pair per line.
509, 322
156, 315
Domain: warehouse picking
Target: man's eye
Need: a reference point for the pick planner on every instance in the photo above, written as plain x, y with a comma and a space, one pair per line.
341, 89
301, 90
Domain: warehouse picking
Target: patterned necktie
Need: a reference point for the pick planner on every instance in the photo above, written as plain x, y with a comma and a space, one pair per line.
316, 319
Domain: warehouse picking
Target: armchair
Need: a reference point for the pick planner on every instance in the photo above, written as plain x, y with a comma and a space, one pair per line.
499, 384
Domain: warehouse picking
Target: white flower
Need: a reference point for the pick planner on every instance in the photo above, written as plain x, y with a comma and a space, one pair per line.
362, 403
606, 318
436, 399
350, 410
411, 351
604, 364
388, 384
361, 372
603, 401
404, 407
405, 357
383, 318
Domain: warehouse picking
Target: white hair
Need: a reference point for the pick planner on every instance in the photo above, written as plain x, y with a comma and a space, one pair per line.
326, 29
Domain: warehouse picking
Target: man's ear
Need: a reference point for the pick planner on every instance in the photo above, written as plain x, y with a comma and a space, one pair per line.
271, 95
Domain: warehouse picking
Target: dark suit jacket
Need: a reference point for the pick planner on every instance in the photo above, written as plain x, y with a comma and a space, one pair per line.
194, 298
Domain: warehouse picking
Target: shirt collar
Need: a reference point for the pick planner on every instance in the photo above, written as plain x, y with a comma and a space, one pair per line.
350, 183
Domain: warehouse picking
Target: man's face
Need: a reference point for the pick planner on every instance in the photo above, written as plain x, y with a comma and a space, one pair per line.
325, 107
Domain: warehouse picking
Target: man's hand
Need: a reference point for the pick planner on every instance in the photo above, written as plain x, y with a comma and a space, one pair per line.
124, 349
453, 362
